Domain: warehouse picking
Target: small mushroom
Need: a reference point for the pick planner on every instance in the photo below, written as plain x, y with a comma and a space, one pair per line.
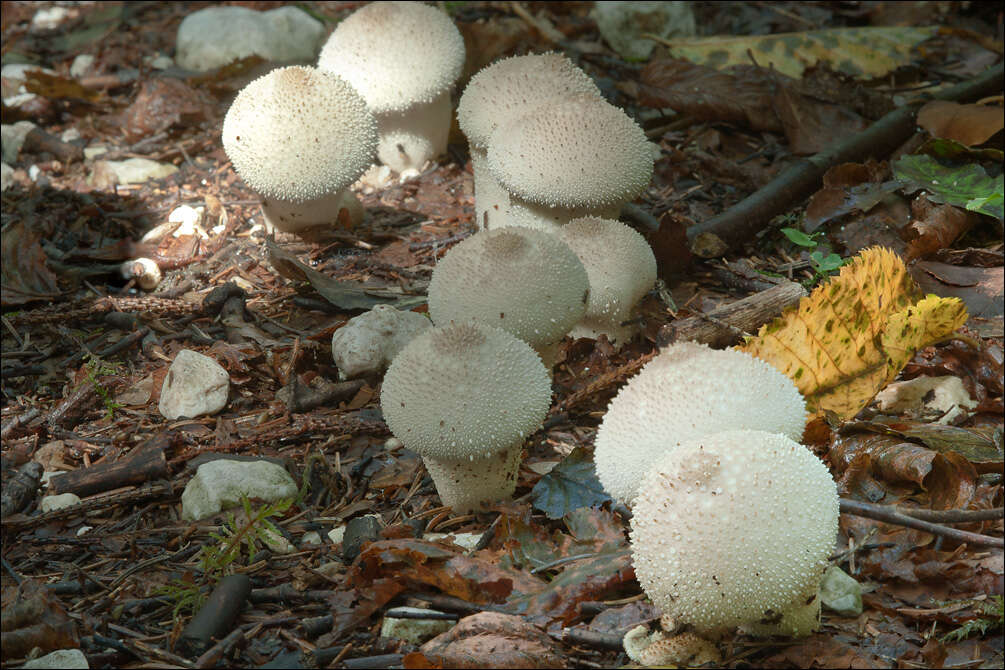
685, 392
621, 267
299, 137
511, 88
403, 58
735, 529
524, 281
576, 157
464, 397
144, 271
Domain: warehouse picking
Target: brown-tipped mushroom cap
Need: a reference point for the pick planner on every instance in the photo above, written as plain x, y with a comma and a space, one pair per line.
513, 86
733, 528
298, 134
396, 54
524, 281
687, 391
576, 153
465, 396
621, 267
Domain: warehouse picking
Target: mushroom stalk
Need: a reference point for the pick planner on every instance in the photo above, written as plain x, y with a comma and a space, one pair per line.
292, 216
466, 485
551, 219
491, 198
409, 138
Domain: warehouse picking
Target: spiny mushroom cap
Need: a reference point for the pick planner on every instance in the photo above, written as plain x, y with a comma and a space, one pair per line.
465, 391
396, 54
524, 281
299, 134
618, 260
578, 152
513, 86
733, 527
687, 391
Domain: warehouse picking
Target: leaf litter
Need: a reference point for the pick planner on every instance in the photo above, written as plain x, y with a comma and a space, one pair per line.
549, 580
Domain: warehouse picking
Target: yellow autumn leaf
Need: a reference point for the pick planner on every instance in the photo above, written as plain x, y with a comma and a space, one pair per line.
859, 52
854, 334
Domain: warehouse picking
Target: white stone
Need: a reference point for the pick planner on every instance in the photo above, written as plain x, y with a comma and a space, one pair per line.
415, 631
49, 18
944, 395
159, 62
216, 36
336, 534
369, 342
466, 541
219, 485
70, 134
34, 172
139, 170
190, 219
622, 24
81, 65
50, 503
70, 659
12, 136
309, 538
6, 177
840, 593
194, 385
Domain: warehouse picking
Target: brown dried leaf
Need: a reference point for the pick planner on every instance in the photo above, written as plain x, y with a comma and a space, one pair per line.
162, 104
24, 276
982, 289
967, 124
935, 227
489, 639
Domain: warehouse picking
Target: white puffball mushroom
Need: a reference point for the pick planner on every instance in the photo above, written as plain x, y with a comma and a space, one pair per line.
735, 529
507, 89
686, 391
299, 137
403, 58
145, 271
465, 397
575, 157
621, 267
524, 281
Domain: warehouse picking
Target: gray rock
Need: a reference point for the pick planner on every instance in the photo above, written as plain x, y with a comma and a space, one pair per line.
50, 503
61, 658
194, 385
415, 631
216, 36
359, 531
219, 485
622, 24
6, 176
12, 137
368, 343
840, 593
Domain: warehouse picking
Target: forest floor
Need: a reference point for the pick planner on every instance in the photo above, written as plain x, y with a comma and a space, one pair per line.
85, 353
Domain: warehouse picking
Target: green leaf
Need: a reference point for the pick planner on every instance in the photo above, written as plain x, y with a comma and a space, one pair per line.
570, 485
799, 237
968, 186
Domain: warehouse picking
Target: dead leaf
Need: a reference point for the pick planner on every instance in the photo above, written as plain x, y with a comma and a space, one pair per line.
490, 639
934, 227
162, 104
982, 289
967, 124
24, 275
55, 87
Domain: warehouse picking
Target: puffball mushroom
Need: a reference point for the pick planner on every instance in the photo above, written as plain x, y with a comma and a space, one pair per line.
510, 88
576, 157
300, 137
464, 397
621, 267
689, 390
524, 281
403, 58
735, 528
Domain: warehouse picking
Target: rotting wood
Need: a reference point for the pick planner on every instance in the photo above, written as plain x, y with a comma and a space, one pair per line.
217, 615
20, 522
143, 464
738, 224
722, 326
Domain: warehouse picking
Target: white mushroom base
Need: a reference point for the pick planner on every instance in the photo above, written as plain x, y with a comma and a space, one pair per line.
594, 327
410, 138
490, 196
550, 219
799, 620
290, 217
465, 485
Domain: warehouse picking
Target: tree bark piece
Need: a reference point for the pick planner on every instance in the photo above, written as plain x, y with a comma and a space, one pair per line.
740, 222
723, 326
146, 462
217, 616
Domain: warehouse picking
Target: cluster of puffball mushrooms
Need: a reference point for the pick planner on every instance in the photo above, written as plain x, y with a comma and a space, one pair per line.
733, 520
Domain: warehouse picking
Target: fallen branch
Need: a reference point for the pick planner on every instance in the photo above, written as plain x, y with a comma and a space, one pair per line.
743, 220
891, 515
